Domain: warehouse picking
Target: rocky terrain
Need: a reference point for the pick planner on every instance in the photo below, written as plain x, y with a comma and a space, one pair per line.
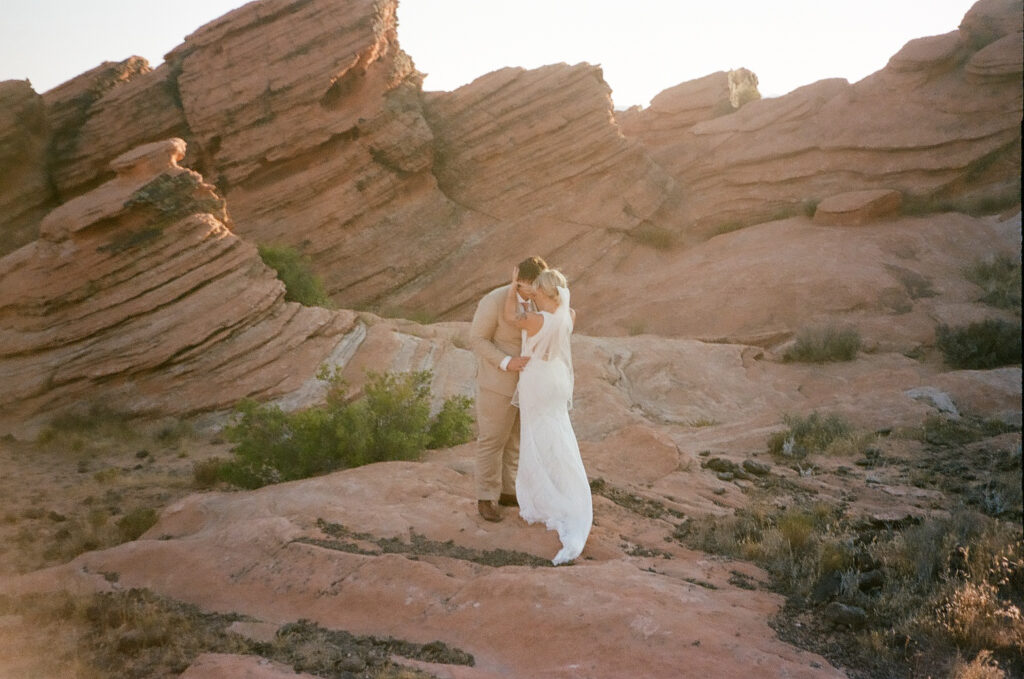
701, 236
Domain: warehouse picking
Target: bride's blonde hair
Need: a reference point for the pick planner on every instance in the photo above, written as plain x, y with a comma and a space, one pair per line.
547, 282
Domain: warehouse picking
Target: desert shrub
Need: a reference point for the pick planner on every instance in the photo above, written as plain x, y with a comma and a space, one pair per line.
999, 278
945, 431
453, 424
80, 426
635, 328
824, 344
414, 314
295, 271
206, 473
982, 667
814, 433
96, 531
136, 522
795, 545
136, 634
957, 580
982, 345
391, 421
944, 585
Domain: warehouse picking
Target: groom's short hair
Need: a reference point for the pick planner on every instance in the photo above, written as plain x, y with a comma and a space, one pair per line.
530, 268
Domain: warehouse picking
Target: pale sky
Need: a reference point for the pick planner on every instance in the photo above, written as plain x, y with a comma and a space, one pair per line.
644, 46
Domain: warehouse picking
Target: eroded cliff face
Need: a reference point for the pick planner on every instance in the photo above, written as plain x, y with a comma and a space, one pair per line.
940, 123
139, 297
310, 121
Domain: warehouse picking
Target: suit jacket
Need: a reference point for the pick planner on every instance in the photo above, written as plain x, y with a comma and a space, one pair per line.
492, 339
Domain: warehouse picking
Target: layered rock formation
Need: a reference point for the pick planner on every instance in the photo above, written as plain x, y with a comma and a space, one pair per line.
139, 297
941, 124
415, 203
25, 191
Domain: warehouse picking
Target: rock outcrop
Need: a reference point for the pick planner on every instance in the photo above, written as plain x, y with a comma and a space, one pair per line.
138, 296
941, 124
310, 120
25, 190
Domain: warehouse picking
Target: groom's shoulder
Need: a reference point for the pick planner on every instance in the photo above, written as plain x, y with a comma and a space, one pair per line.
495, 294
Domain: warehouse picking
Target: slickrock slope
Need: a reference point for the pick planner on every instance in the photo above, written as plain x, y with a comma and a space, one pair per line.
396, 549
894, 279
941, 123
137, 295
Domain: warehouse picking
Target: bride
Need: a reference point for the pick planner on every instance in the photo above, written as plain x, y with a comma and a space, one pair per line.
551, 484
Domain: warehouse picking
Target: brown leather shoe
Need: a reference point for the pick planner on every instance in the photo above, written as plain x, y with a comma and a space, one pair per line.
488, 510
508, 500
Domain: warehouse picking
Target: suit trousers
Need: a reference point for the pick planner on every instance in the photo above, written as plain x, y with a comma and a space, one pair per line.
497, 457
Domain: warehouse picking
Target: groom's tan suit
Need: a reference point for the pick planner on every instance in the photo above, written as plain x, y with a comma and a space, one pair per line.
492, 340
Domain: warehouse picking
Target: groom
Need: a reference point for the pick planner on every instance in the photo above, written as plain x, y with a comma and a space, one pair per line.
497, 344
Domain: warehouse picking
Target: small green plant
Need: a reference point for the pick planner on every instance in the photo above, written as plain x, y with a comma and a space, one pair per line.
136, 522
207, 472
824, 344
391, 421
82, 425
982, 345
636, 328
416, 315
453, 424
295, 271
999, 278
815, 433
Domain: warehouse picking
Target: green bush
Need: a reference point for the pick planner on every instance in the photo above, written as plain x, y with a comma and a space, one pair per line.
295, 271
824, 344
391, 421
136, 522
986, 344
814, 433
453, 424
1000, 278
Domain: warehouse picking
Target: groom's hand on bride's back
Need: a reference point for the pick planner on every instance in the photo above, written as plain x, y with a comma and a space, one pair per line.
517, 363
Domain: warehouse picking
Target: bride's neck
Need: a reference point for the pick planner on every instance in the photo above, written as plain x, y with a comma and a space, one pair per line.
546, 303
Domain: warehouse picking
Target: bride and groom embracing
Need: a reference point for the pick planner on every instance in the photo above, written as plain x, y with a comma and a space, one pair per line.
527, 454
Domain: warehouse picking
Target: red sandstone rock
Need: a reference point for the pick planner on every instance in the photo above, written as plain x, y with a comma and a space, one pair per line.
138, 295
25, 192
886, 131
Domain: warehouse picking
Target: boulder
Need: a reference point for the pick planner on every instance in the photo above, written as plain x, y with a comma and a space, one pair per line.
858, 207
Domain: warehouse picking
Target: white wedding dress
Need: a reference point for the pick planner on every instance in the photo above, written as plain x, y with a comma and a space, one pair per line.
551, 484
